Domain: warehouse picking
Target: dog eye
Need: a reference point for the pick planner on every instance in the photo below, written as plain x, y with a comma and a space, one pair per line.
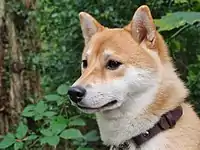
85, 64
112, 64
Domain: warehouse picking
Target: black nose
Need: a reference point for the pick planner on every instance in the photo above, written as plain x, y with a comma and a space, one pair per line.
76, 93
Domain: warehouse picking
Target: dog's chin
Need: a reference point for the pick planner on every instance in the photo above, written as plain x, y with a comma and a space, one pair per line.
106, 107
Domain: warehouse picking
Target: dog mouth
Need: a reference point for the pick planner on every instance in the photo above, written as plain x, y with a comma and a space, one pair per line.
105, 105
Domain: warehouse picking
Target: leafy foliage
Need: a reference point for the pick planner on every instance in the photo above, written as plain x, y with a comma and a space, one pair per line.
53, 127
176, 20
51, 120
17, 140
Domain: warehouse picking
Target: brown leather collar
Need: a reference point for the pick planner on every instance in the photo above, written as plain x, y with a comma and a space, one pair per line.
167, 121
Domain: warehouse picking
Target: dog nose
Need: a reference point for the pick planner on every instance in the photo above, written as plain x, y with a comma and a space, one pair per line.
76, 93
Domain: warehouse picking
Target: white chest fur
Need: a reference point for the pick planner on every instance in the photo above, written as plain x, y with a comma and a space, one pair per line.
122, 124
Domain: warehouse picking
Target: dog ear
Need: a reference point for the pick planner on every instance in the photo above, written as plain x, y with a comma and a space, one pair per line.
89, 26
143, 27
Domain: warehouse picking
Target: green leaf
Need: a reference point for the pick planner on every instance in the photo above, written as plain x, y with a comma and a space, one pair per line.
49, 113
59, 120
38, 117
18, 145
51, 140
52, 97
7, 141
91, 136
62, 89
79, 142
32, 137
36, 59
60, 102
54, 129
28, 111
28, 114
176, 20
77, 122
84, 148
40, 107
21, 130
57, 127
28, 108
54, 15
71, 134
180, 1
46, 132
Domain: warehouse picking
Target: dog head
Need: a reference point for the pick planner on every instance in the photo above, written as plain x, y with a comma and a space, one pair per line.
118, 64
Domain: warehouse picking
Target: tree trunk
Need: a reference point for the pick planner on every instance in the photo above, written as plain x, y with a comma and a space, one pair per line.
17, 81
4, 120
16, 78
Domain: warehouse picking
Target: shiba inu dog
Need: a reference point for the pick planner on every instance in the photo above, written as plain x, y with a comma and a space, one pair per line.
128, 80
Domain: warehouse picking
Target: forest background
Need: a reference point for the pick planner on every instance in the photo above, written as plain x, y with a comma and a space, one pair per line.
40, 53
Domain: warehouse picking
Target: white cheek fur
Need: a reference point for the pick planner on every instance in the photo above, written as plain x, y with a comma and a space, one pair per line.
140, 88
135, 82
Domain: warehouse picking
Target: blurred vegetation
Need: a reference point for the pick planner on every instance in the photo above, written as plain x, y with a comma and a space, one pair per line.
49, 121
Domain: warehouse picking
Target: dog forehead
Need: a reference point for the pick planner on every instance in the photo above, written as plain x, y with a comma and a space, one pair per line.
108, 42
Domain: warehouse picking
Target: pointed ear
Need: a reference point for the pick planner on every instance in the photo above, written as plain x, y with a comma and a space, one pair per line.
142, 26
89, 26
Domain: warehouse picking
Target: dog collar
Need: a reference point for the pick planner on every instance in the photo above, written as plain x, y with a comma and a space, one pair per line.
167, 121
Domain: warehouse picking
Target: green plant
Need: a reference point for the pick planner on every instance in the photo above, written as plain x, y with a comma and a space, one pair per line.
17, 140
52, 123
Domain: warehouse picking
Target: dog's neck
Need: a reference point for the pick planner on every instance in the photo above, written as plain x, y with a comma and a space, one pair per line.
119, 125
133, 118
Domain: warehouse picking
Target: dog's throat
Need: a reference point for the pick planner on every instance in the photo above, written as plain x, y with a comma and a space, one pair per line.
167, 121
